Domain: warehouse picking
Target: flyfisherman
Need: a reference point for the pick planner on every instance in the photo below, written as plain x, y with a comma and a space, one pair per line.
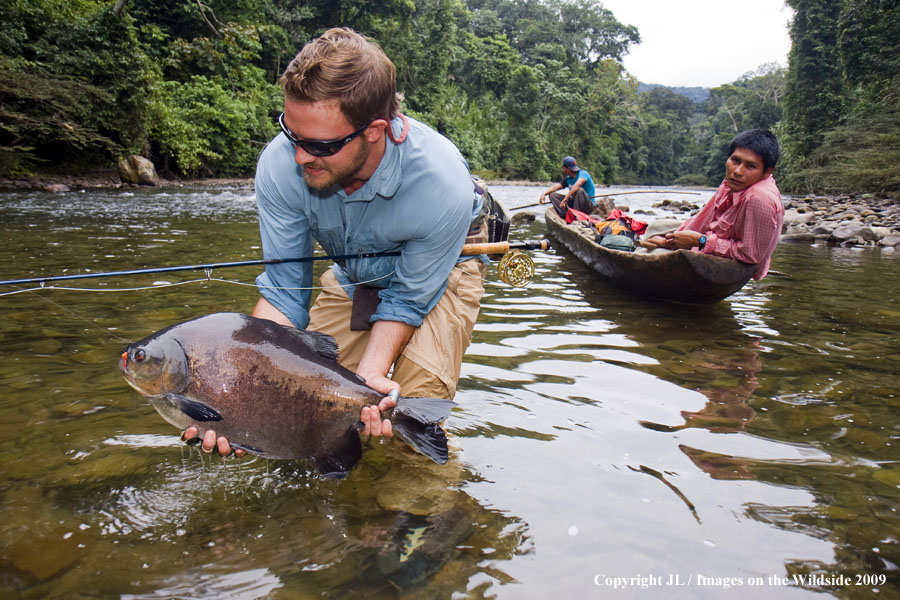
742, 221
350, 172
580, 192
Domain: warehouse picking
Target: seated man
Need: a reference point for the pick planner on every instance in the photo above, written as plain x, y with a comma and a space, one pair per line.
742, 220
581, 189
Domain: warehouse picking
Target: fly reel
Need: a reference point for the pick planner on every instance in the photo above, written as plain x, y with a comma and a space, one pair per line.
516, 268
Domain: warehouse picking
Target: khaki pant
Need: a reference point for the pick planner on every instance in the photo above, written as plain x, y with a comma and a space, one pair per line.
429, 366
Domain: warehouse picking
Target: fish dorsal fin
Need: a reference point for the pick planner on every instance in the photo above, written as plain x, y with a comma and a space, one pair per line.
321, 343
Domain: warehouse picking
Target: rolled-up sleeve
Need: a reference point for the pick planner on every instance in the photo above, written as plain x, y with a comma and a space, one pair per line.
284, 232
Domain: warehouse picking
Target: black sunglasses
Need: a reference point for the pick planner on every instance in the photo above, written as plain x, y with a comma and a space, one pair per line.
320, 147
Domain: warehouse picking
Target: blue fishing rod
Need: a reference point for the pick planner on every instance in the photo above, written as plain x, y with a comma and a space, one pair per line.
467, 250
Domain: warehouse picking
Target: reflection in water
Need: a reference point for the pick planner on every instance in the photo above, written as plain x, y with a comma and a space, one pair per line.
596, 432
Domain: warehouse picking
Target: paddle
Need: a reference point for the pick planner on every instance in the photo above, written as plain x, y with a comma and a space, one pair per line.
613, 194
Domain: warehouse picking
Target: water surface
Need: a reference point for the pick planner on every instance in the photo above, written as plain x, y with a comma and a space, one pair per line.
601, 439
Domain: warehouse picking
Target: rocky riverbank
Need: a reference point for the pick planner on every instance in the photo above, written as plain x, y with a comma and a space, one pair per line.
864, 220
847, 220
103, 180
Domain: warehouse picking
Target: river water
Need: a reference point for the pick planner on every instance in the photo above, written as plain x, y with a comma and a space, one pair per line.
604, 445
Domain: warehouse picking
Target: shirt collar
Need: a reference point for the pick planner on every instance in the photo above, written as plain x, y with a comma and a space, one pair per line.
388, 176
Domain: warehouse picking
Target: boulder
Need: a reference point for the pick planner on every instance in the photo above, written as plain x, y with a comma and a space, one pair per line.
138, 170
603, 207
824, 228
798, 237
881, 232
847, 232
55, 188
794, 217
890, 241
522, 218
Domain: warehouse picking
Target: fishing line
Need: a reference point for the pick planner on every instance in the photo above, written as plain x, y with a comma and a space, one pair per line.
159, 286
79, 317
166, 284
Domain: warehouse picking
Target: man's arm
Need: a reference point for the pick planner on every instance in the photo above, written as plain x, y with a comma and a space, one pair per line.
386, 342
556, 187
265, 310
572, 189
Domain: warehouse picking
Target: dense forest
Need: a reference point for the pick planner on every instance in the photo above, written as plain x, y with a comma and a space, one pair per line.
516, 84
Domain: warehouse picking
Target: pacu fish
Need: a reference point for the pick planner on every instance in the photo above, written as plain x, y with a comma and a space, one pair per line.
272, 390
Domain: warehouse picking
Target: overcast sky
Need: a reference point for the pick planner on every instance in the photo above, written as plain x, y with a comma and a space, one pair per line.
703, 43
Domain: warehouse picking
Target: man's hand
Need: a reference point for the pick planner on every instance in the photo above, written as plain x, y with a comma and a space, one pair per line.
371, 417
683, 239
210, 442
542, 199
657, 241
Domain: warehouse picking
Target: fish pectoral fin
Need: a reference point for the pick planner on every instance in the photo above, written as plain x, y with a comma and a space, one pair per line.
321, 343
196, 410
341, 456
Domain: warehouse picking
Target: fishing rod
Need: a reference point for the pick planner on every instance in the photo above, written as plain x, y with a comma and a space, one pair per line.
614, 194
642, 192
467, 250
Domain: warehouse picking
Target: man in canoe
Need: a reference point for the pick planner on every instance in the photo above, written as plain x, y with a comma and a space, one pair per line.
742, 221
580, 192
350, 172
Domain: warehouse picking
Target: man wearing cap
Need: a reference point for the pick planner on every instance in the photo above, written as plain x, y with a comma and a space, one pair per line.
581, 189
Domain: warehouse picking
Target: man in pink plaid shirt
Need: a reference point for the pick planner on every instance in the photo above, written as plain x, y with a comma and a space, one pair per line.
742, 220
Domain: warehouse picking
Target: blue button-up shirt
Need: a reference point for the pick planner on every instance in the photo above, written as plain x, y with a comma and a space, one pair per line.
419, 201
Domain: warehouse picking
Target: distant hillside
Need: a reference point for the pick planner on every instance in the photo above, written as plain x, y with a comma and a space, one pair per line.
697, 94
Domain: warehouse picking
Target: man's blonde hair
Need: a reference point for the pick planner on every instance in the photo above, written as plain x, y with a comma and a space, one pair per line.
345, 66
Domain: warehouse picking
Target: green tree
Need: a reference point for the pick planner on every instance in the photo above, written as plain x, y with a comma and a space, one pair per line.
814, 88
74, 86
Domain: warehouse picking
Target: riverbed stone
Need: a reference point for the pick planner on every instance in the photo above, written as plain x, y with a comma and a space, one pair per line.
852, 232
798, 237
891, 240
522, 218
824, 228
794, 217
603, 207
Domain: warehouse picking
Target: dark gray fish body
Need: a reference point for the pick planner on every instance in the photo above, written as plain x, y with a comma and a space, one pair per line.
275, 391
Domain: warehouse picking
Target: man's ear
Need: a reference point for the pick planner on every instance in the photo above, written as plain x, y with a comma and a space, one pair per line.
375, 130
768, 172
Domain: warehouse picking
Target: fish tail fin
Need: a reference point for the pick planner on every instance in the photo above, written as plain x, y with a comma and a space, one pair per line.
417, 421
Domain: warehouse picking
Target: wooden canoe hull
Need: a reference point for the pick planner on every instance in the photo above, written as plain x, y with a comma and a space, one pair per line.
680, 276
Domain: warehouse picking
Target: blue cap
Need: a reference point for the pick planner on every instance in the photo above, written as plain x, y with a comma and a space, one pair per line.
569, 163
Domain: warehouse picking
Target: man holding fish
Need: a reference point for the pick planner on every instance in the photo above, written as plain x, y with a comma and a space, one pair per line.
350, 172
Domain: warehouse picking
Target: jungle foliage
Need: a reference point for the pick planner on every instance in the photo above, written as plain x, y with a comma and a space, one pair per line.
516, 84
842, 105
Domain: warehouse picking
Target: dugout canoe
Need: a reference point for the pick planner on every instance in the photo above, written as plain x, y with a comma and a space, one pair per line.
679, 276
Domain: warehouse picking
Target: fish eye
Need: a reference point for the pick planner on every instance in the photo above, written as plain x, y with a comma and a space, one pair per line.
139, 355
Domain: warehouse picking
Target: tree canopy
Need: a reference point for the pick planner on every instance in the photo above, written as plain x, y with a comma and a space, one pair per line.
516, 84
